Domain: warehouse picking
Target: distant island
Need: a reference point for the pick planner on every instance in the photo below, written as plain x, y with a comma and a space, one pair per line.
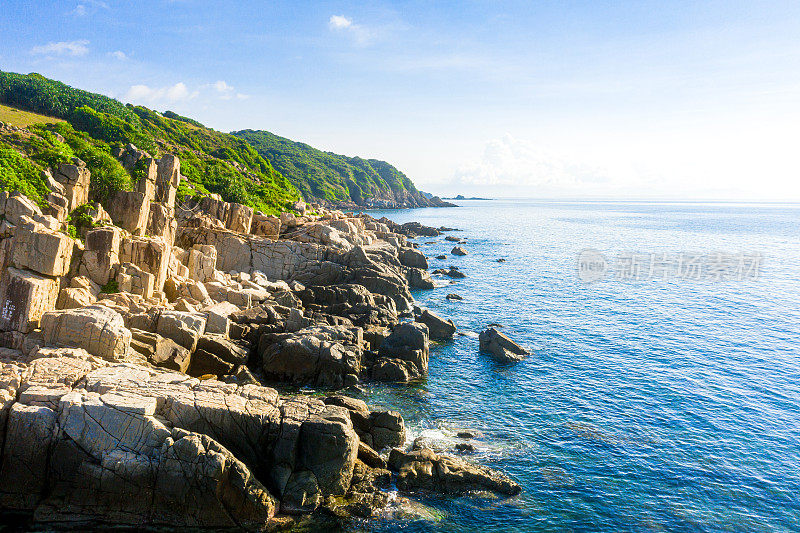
462, 197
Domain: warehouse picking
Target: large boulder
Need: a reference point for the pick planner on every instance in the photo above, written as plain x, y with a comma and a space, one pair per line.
160, 351
325, 356
18, 206
438, 327
403, 355
266, 225
130, 210
74, 178
411, 257
150, 255
41, 250
182, 327
24, 297
218, 317
419, 279
424, 469
101, 254
96, 328
500, 347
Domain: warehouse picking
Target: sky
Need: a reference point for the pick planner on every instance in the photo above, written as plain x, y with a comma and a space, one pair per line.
548, 99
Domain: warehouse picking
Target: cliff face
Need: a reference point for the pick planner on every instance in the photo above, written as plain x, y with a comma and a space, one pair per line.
336, 179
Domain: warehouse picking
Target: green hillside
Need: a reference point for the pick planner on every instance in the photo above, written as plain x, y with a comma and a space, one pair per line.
94, 125
333, 177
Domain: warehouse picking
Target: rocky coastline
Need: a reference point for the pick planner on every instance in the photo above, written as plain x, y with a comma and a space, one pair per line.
141, 361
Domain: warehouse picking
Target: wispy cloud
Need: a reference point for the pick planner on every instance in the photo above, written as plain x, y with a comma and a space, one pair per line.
360, 34
512, 162
83, 7
119, 54
180, 92
63, 48
156, 95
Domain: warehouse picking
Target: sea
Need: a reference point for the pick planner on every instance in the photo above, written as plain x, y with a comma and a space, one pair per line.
662, 392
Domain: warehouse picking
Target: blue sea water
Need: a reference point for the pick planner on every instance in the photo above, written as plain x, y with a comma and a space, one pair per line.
647, 404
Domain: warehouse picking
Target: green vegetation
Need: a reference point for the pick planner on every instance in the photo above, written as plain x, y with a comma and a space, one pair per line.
19, 173
111, 287
23, 119
329, 176
212, 161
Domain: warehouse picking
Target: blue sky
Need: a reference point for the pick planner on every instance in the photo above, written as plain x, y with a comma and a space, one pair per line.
646, 99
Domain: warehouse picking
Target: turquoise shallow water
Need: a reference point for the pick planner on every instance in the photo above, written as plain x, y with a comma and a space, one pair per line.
647, 405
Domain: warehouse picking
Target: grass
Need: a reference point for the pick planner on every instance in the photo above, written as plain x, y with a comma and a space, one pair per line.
23, 119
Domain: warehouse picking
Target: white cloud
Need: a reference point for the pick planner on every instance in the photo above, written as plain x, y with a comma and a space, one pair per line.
512, 162
342, 24
82, 9
219, 90
224, 90
69, 48
339, 22
119, 55
155, 95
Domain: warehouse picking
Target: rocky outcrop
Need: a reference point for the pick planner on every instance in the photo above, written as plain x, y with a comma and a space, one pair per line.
426, 470
403, 355
500, 347
439, 328
132, 361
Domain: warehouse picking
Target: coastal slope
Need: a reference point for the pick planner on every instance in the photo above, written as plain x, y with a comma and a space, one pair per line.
337, 179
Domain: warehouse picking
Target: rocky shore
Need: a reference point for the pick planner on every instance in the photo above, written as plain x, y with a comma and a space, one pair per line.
141, 361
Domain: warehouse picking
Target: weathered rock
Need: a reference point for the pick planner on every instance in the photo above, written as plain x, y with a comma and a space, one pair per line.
419, 279
218, 317
202, 262
458, 250
160, 351
326, 356
501, 347
74, 178
147, 182
72, 297
438, 327
240, 218
265, 225
133, 280
150, 255
18, 206
96, 328
168, 179
161, 222
101, 254
370, 457
454, 297
24, 297
424, 469
41, 250
224, 348
403, 354
183, 328
411, 257
130, 210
